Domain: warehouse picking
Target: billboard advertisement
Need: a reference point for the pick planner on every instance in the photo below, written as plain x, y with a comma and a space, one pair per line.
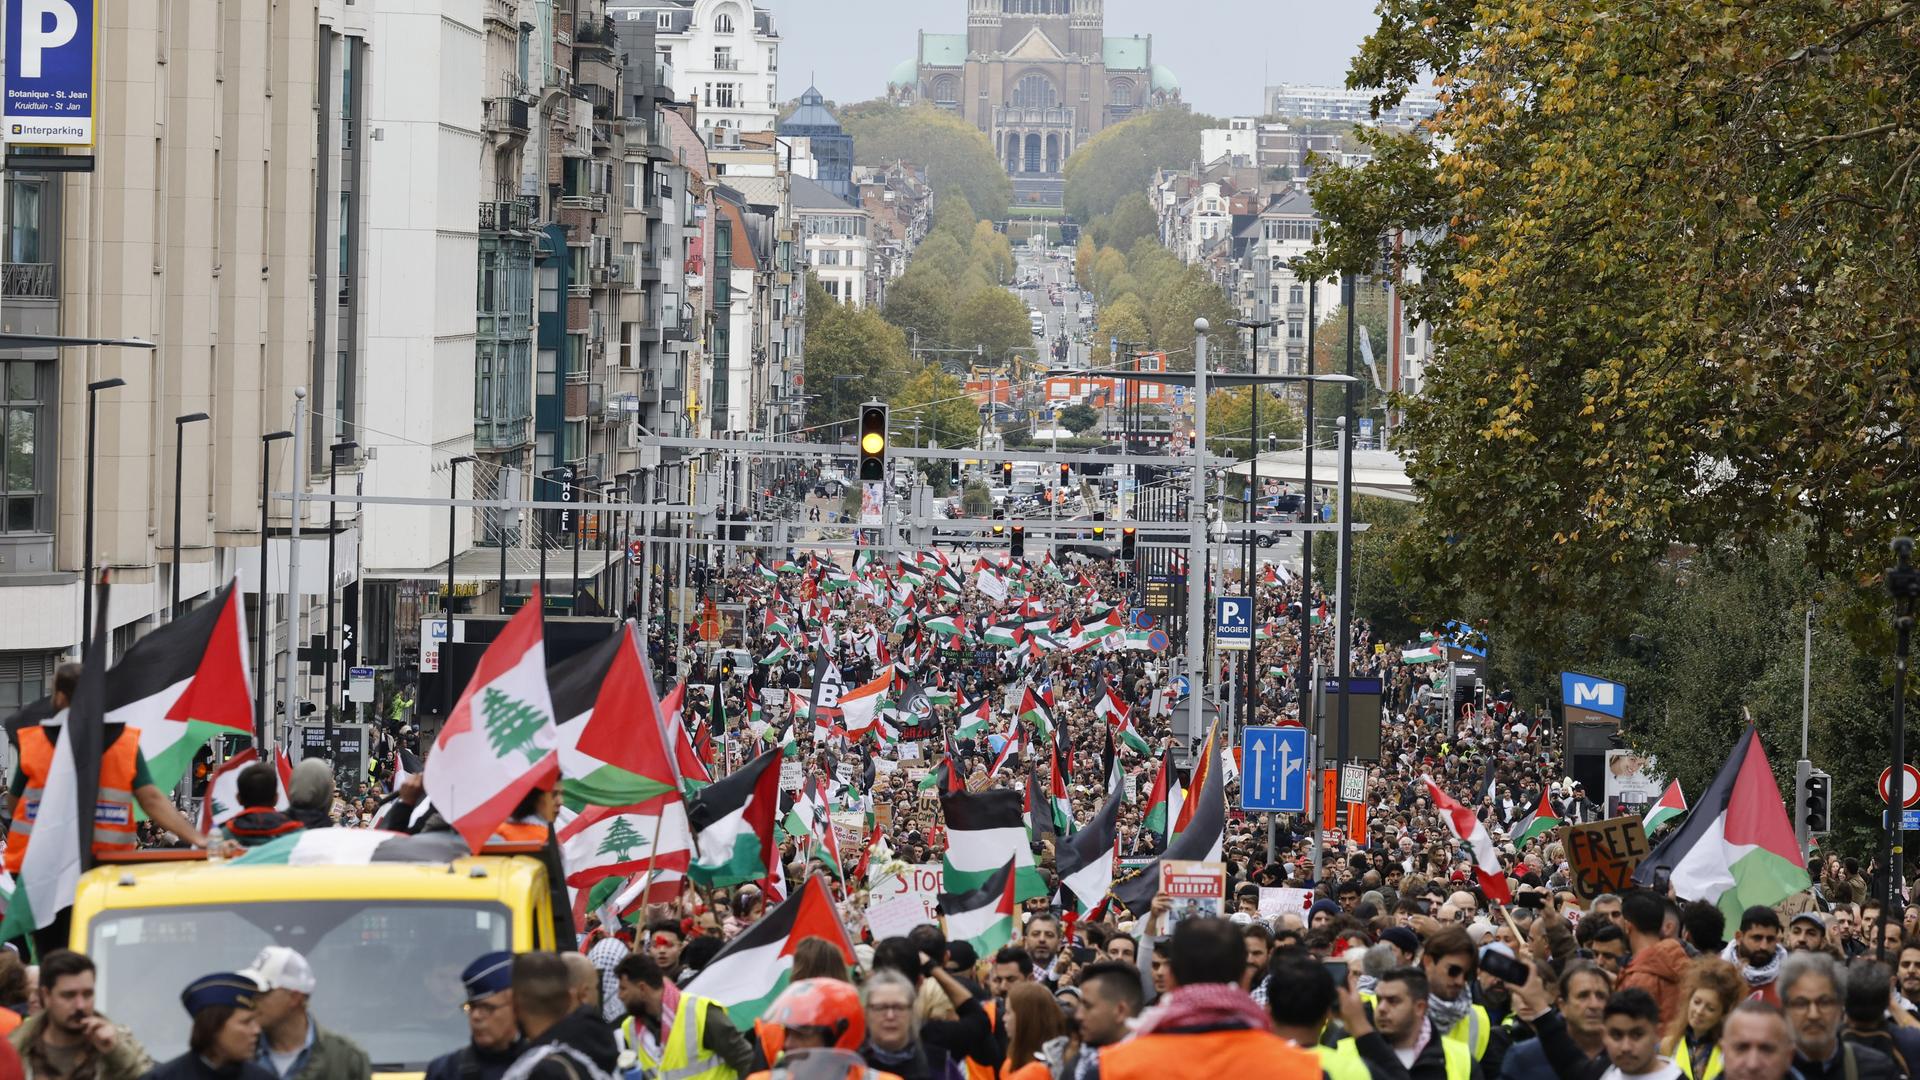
50, 77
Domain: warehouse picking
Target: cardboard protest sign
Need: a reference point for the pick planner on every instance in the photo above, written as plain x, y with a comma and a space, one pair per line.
1602, 856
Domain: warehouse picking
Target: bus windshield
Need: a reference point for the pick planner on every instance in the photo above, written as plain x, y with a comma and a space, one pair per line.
388, 971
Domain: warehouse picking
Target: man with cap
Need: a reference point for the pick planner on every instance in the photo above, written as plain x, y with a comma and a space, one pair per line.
226, 1031
292, 1045
492, 1026
1807, 932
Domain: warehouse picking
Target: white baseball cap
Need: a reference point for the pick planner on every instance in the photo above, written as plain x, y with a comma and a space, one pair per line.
280, 968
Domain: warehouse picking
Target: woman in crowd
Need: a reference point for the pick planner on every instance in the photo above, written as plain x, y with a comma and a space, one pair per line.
1710, 991
1035, 1034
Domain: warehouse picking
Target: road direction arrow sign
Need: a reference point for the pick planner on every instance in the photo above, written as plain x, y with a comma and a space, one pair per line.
1274, 763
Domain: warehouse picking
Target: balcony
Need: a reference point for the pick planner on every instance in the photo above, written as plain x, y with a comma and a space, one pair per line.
726, 64
29, 281
1054, 116
505, 116
596, 34
596, 204
512, 216
602, 135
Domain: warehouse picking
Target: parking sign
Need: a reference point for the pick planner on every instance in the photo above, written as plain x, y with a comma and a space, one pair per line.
50, 76
1233, 622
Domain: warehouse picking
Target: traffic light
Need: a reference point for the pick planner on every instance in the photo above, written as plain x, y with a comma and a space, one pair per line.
1018, 541
726, 665
1006, 474
955, 477
202, 770
1128, 540
1819, 803
999, 530
1100, 531
1066, 474
873, 441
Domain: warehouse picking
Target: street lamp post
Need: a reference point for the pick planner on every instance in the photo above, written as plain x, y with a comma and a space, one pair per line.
1903, 582
1253, 328
1344, 587
93, 425
179, 446
453, 518
339, 452
260, 624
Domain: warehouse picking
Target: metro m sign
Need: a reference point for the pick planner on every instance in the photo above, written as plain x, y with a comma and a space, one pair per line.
1592, 695
50, 72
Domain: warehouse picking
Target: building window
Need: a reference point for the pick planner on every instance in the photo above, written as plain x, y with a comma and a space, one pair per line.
721, 95
723, 23
773, 59
630, 186
663, 20
23, 220
1296, 294
1296, 329
946, 90
22, 470
1122, 94
24, 677
723, 58
1034, 91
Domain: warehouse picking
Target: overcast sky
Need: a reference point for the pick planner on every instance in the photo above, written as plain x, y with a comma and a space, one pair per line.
1223, 51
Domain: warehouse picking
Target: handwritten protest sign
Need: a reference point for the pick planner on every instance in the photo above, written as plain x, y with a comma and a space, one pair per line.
1602, 856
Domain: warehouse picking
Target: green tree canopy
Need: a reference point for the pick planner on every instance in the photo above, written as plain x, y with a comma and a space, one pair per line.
1079, 419
1230, 421
920, 300
853, 355
993, 319
958, 158
1132, 220
1121, 160
1667, 268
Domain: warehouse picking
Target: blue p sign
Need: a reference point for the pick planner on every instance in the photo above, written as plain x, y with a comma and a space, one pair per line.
49, 57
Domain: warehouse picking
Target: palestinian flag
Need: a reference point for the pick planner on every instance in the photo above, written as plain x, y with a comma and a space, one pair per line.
946, 775
777, 656
732, 821
789, 746
981, 829
1120, 721
1005, 634
1057, 798
608, 841
1426, 654
751, 970
1203, 768
1112, 624
1086, 859
974, 724
984, 916
1542, 820
691, 770
1736, 848
184, 683
354, 847
764, 572
1039, 825
500, 742
1034, 711
943, 625
613, 745
1159, 798
1203, 839
1466, 827
1671, 805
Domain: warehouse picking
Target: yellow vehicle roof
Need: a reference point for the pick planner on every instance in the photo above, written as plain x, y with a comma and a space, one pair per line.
168, 884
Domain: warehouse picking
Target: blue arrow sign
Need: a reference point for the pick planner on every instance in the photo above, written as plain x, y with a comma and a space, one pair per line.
1274, 763
1233, 622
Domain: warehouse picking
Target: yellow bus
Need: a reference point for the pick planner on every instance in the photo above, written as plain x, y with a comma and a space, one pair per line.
387, 940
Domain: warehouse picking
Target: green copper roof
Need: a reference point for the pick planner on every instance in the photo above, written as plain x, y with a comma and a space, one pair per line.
905, 73
1163, 79
1125, 54
943, 50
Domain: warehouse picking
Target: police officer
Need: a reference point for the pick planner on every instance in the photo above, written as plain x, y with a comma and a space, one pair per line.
225, 1033
493, 1027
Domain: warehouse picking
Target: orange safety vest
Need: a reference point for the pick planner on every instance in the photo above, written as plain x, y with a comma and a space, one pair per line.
1208, 1053
522, 832
113, 824
975, 1070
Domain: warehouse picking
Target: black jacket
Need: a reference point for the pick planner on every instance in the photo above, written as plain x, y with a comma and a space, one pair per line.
1871, 1065
472, 1063
189, 1066
585, 1031
969, 1035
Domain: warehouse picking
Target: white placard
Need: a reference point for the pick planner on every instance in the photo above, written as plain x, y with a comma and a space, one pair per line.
895, 917
1276, 902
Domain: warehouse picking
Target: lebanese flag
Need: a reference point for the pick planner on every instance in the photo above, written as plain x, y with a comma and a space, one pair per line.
222, 803
859, 706
1464, 826
1671, 805
184, 683
500, 741
613, 745
609, 841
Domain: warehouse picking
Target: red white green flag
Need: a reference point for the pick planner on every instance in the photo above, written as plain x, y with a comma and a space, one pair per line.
500, 741
1671, 805
1736, 848
1542, 820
